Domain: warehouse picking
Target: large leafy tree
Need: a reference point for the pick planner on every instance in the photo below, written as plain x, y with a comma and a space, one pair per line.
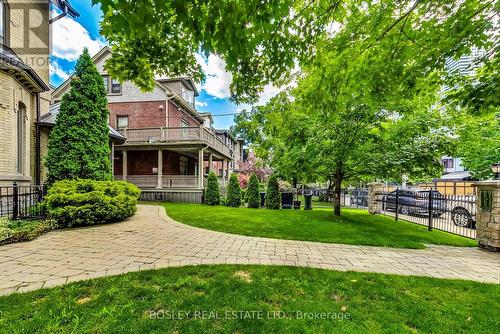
472, 104
261, 40
364, 104
79, 141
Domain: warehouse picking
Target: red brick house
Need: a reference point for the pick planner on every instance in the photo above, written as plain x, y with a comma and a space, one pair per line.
169, 145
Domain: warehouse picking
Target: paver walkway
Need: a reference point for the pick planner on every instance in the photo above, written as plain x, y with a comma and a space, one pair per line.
151, 239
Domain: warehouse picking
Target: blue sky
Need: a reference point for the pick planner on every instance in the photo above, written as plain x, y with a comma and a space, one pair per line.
70, 36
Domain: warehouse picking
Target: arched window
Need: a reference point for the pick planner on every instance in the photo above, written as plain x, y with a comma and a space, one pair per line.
3, 23
21, 136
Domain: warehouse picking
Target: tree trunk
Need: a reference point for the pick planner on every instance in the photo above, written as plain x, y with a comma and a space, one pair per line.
337, 192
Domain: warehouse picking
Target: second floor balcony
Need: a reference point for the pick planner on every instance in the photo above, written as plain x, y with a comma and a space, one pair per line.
175, 135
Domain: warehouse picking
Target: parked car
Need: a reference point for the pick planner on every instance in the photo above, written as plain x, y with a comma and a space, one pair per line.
415, 202
359, 197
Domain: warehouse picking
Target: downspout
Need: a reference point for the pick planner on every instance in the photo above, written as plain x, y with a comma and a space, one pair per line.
37, 142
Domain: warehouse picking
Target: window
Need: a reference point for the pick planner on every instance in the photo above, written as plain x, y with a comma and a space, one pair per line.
21, 136
447, 163
116, 86
3, 23
106, 82
122, 122
184, 132
183, 166
112, 86
188, 96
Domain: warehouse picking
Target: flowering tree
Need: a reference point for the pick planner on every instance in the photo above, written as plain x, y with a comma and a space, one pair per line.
252, 165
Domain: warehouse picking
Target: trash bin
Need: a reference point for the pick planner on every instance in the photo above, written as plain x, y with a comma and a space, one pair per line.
262, 199
308, 201
286, 200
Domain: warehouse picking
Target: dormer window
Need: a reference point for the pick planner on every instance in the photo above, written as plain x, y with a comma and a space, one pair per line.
188, 96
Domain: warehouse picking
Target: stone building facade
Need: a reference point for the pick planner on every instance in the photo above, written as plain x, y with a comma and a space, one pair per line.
24, 90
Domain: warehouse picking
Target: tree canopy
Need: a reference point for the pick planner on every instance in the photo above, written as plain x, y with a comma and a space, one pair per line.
261, 40
365, 105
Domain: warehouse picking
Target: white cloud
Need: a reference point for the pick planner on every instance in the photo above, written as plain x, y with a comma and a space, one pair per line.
201, 104
217, 78
70, 37
56, 70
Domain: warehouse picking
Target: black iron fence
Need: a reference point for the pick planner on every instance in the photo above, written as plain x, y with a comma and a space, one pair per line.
451, 213
22, 202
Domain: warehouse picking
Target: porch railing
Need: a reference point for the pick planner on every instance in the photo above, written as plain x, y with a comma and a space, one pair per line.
167, 181
175, 134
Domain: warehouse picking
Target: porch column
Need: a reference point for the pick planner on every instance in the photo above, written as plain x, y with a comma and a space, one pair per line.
124, 165
160, 168
225, 171
210, 166
200, 168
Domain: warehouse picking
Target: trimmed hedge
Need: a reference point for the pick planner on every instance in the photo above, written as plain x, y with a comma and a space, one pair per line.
212, 192
252, 194
89, 202
273, 198
233, 192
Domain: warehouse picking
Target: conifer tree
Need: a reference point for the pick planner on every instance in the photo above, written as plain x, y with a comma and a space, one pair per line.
253, 196
212, 192
233, 192
273, 200
79, 141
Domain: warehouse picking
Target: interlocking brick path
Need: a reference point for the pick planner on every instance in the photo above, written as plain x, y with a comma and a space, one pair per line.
150, 239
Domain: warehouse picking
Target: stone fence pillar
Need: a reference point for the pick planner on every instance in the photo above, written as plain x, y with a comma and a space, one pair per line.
488, 214
374, 190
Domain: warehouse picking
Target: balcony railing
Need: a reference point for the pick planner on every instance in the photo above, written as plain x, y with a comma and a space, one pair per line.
167, 181
173, 135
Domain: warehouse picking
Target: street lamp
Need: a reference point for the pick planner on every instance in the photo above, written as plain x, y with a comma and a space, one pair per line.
496, 170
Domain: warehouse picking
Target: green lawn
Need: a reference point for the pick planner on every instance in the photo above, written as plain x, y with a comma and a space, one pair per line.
144, 302
355, 226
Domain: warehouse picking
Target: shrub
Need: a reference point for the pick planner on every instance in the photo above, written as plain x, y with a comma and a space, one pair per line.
22, 230
273, 200
89, 202
253, 195
212, 193
233, 192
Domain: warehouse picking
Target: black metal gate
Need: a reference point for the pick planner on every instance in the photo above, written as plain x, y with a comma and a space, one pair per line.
451, 213
22, 202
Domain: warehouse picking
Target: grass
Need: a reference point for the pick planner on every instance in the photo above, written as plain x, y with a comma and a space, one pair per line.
356, 227
144, 302
22, 230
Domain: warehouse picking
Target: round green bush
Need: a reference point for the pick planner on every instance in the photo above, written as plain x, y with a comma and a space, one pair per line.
88, 202
273, 199
212, 192
252, 194
233, 192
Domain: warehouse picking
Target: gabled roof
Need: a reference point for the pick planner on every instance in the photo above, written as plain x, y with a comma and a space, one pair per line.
186, 80
95, 58
170, 93
49, 120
